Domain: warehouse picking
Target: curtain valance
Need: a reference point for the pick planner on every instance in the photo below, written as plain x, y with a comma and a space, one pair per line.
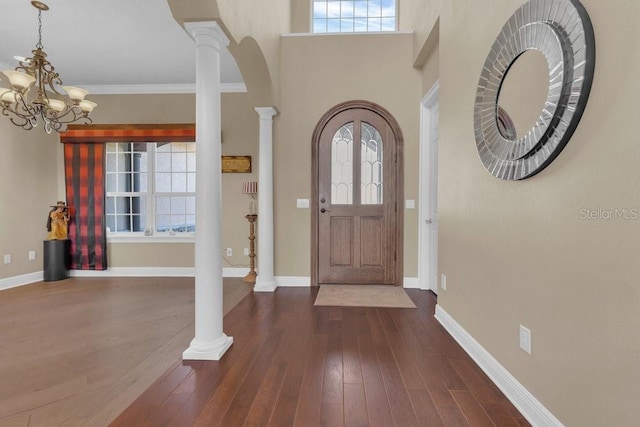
100, 134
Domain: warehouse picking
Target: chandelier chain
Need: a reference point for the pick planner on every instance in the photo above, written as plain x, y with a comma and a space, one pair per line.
39, 45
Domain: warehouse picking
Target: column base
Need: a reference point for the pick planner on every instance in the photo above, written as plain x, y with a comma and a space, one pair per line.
208, 351
264, 285
250, 277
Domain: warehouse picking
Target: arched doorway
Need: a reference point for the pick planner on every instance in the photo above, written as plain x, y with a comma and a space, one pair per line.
357, 194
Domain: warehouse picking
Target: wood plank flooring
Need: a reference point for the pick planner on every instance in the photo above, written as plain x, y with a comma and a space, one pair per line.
295, 364
77, 352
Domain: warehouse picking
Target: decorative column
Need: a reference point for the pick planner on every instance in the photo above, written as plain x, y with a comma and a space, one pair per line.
210, 342
265, 282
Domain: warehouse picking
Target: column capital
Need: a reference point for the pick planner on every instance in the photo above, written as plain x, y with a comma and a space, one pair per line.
198, 30
266, 113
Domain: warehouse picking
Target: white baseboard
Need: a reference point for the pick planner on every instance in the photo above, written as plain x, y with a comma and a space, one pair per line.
136, 272
293, 281
153, 272
411, 283
527, 404
281, 281
24, 279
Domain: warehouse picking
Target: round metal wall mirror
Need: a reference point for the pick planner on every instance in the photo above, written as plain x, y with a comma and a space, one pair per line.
561, 30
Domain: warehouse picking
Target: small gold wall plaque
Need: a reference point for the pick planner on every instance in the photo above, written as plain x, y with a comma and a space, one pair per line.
236, 164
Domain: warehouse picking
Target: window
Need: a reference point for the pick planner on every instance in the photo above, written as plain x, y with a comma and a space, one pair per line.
348, 16
150, 188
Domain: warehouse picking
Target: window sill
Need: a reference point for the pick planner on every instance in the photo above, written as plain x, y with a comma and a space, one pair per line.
158, 238
363, 33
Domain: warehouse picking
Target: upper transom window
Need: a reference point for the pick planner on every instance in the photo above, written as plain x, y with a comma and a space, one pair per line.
349, 16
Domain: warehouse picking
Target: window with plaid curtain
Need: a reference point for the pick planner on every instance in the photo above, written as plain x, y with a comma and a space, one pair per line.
84, 155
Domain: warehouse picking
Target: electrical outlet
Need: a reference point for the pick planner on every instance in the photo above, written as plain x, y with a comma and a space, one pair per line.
302, 203
525, 339
246, 251
7, 259
443, 282
228, 252
32, 255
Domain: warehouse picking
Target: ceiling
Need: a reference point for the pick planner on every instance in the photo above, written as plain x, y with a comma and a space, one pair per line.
108, 46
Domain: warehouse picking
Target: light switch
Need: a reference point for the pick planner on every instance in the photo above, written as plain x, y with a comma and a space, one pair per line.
409, 204
302, 203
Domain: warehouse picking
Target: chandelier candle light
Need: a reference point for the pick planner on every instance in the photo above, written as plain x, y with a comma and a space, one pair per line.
23, 106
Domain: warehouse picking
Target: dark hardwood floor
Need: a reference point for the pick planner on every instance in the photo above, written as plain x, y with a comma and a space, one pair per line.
295, 364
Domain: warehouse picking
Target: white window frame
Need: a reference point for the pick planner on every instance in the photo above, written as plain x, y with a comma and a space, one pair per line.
311, 26
149, 235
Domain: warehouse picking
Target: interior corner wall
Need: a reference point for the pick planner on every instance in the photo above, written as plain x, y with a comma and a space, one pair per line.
239, 137
431, 70
558, 252
301, 16
318, 72
419, 17
28, 186
263, 21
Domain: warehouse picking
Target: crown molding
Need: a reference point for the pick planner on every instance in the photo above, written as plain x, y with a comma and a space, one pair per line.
157, 89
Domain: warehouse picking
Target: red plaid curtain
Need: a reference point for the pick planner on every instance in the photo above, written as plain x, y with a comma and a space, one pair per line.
84, 170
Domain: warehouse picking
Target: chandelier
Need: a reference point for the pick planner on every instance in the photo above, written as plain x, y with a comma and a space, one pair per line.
24, 106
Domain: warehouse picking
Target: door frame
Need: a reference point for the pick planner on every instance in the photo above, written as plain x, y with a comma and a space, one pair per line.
425, 189
315, 166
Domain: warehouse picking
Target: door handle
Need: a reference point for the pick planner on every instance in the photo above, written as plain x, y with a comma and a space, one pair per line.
323, 210
428, 221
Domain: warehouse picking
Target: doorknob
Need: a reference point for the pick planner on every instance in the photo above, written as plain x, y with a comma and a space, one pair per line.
323, 210
428, 221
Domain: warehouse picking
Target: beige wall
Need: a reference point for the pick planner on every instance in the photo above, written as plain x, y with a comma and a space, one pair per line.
521, 253
319, 72
431, 69
300, 16
240, 138
28, 185
418, 16
140, 109
240, 134
165, 255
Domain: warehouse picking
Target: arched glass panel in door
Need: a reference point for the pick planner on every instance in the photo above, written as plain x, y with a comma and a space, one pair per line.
371, 164
342, 166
